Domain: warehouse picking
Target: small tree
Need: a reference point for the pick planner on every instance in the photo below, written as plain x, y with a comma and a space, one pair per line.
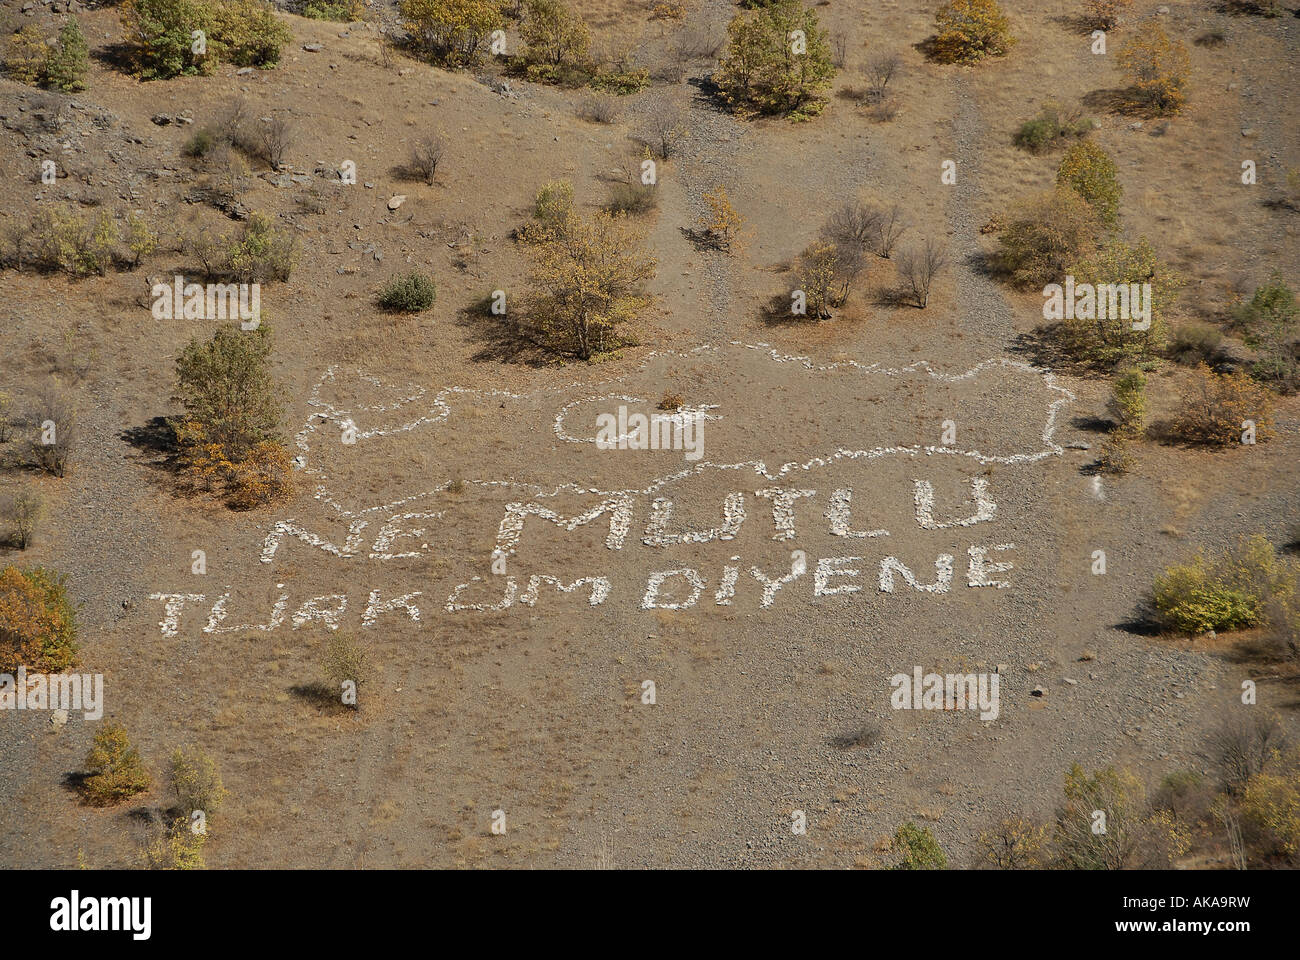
453, 32
554, 36
273, 139
1103, 824
160, 33
919, 265
425, 157
226, 388
347, 667
589, 277
815, 272
195, 782
967, 31
27, 55
778, 61
55, 416
115, 770
264, 476
722, 223
69, 59
1088, 170
918, 848
1013, 844
1127, 405
1157, 69
38, 626
1107, 337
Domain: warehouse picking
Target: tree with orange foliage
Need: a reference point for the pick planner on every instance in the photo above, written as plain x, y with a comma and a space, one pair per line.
38, 627
1157, 69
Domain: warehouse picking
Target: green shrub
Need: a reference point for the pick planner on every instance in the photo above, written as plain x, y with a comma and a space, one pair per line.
759, 72
918, 848
1108, 338
1133, 837
69, 59
177, 848
201, 144
195, 782
632, 198
1271, 323
1088, 170
408, 293
621, 82
115, 770
340, 11
1053, 126
259, 252
553, 35
247, 33
1229, 593
160, 32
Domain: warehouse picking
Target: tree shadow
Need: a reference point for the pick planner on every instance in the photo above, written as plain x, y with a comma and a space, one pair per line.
1075, 24
1092, 424
320, 696
704, 240
708, 95
502, 339
1143, 621
120, 56
159, 447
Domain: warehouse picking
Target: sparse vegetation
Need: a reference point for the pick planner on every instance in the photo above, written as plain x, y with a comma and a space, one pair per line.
1013, 844
1045, 234
917, 849
1104, 14
21, 512
347, 667
55, 418
243, 32
195, 783
258, 253
1127, 405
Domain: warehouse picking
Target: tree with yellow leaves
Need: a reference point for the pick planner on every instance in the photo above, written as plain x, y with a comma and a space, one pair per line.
1157, 69
721, 225
589, 278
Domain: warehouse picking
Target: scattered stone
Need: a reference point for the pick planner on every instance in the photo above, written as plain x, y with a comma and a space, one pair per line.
1073, 683
1250, 133
1038, 692
1079, 445
1087, 655
1001, 669
396, 201
312, 47
243, 71
59, 719
161, 119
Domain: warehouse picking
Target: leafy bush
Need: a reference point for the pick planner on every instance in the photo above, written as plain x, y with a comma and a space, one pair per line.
1215, 408
1270, 322
554, 203
68, 60
340, 11
1088, 170
761, 73
38, 626
1014, 844
263, 477
115, 770
553, 35
346, 660
632, 197
623, 83
243, 32
64, 239
1157, 69
1054, 125
1134, 836
177, 848
452, 32
195, 782
1128, 406
408, 293
259, 252
967, 31
1270, 807
1045, 234
1195, 342
1108, 338
1228, 593
721, 224
918, 848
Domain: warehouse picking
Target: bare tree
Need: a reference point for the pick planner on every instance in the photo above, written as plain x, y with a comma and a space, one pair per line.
890, 225
663, 125
919, 265
55, 418
839, 50
854, 223
599, 108
425, 157
22, 511
1245, 742
273, 139
880, 70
